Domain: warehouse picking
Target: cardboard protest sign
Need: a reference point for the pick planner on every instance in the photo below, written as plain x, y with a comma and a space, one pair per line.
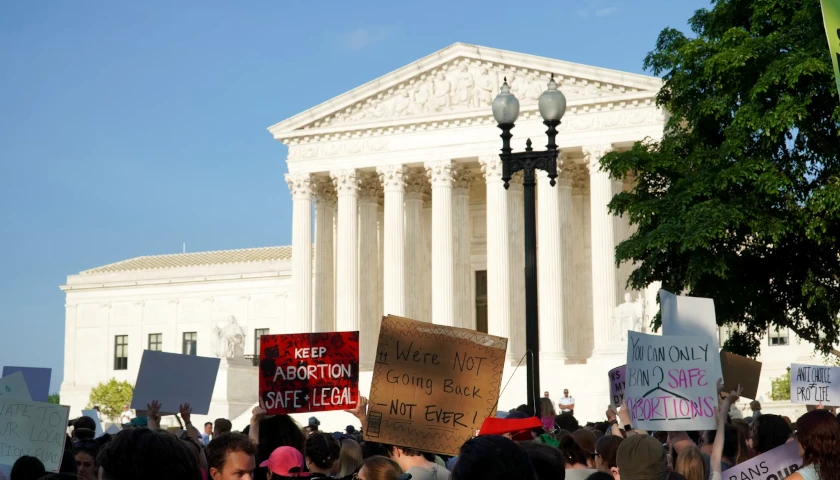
32, 428
671, 382
95, 416
738, 370
37, 380
432, 385
173, 379
617, 385
309, 372
14, 386
776, 464
815, 384
687, 316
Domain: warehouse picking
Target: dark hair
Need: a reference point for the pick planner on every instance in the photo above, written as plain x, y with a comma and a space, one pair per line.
492, 457
210, 423
84, 422
571, 451
566, 421
219, 447
602, 427
527, 410
547, 461
279, 431
730, 441
223, 425
600, 476
382, 468
407, 451
818, 434
768, 432
27, 468
607, 448
141, 454
586, 440
323, 449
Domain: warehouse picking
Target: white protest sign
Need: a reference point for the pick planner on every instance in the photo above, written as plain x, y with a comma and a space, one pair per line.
32, 428
95, 416
776, 464
687, 316
617, 385
815, 384
113, 430
671, 382
174, 379
14, 386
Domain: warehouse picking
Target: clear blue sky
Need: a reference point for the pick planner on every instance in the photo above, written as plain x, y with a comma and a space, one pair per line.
129, 127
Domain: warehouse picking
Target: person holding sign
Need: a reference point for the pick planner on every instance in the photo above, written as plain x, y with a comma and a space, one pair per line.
818, 435
717, 448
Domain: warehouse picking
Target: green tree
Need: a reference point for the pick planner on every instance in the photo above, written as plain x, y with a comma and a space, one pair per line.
54, 398
780, 387
740, 198
111, 397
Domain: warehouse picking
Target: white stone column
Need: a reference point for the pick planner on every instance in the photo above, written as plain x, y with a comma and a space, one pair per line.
323, 307
463, 277
426, 271
347, 252
516, 236
549, 268
443, 255
498, 250
300, 185
604, 282
415, 256
369, 318
394, 293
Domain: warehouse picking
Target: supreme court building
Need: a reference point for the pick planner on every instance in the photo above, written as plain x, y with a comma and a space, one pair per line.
399, 208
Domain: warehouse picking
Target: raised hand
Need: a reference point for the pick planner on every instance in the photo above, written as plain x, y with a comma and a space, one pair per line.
153, 410
360, 411
185, 411
258, 413
734, 395
610, 413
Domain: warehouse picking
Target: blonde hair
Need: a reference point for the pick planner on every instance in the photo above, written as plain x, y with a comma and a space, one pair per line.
547, 408
690, 464
382, 468
350, 459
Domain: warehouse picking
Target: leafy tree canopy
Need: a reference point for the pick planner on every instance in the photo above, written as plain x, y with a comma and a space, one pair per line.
111, 397
740, 199
54, 398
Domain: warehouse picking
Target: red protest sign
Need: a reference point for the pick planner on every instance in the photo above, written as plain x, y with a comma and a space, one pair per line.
309, 372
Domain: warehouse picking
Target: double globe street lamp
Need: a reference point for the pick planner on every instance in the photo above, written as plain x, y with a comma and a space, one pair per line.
552, 106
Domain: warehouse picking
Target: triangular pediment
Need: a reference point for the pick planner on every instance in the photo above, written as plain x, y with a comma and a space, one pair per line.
464, 79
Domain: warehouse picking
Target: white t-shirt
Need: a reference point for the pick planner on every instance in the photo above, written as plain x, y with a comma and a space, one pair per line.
126, 417
564, 403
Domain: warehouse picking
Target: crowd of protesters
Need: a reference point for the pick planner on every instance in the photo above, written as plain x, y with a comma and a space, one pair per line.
524, 445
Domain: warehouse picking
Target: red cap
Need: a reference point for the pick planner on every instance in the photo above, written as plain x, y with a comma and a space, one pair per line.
285, 459
500, 426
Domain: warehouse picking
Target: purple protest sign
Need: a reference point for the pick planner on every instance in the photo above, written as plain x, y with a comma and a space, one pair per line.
617, 384
776, 464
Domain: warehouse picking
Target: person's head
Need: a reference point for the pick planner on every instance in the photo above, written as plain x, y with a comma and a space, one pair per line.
769, 432
586, 440
731, 446
818, 435
606, 448
321, 452
142, 454
547, 407
27, 468
690, 464
755, 406
231, 457
349, 459
208, 428
641, 457
221, 426
284, 462
572, 453
314, 423
547, 461
378, 467
406, 457
528, 411
86, 423
125, 408
565, 392
545, 395
566, 421
279, 431
84, 453
492, 457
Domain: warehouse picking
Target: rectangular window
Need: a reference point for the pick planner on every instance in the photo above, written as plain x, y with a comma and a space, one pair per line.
778, 336
156, 342
257, 334
481, 301
190, 343
121, 352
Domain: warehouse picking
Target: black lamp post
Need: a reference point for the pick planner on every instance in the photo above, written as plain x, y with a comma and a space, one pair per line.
552, 105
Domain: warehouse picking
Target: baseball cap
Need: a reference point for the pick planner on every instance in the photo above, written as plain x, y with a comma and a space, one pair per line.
285, 461
641, 457
314, 421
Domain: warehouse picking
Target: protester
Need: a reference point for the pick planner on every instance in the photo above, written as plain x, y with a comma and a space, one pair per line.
547, 413
818, 435
379, 467
755, 406
272, 432
577, 460
566, 403
207, 433
143, 454
768, 432
283, 463
547, 461
491, 457
314, 424
231, 457
641, 457
716, 465
606, 448
27, 468
566, 421
84, 454
84, 423
586, 439
221, 426
414, 462
691, 465
350, 459
321, 452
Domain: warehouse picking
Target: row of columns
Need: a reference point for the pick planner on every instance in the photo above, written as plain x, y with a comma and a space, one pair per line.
366, 286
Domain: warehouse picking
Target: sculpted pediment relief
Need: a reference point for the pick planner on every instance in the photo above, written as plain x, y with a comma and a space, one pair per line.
461, 78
